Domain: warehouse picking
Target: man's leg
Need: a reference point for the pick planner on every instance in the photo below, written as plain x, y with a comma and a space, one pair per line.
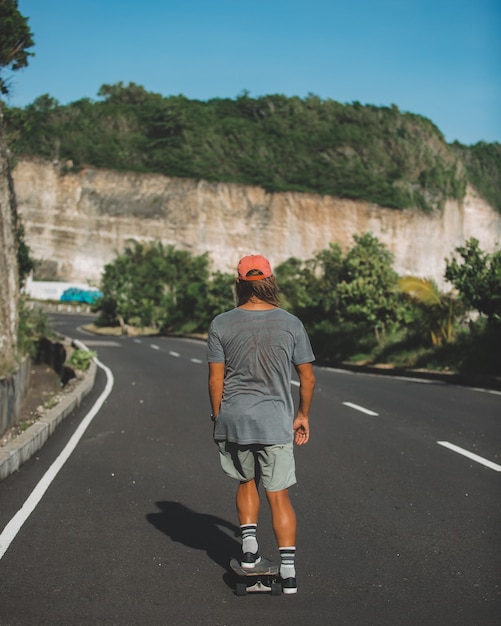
283, 517
239, 462
284, 523
247, 501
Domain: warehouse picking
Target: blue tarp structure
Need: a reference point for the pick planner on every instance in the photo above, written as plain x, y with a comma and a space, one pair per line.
73, 294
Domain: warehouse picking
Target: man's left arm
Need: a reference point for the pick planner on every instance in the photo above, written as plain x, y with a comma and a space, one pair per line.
301, 425
216, 385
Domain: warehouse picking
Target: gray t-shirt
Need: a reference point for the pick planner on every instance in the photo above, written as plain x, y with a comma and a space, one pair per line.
258, 349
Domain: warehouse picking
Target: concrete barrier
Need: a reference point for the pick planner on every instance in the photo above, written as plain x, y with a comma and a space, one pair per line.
13, 391
23, 447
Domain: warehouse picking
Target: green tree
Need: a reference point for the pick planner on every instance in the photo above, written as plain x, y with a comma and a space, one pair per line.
297, 288
221, 294
369, 286
15, 39
309, 287
477, 278
124, 94
328, 265
116, 286
156, 285
437, 312
186, 288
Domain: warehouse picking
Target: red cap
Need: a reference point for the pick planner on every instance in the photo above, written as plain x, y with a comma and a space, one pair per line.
254, 262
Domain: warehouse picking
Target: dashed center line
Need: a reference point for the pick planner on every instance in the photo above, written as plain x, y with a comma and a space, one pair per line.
470, 455
104, 343
360, 408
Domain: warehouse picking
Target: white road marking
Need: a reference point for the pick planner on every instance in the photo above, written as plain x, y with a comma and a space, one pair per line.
295, 382
103, 342
411, 379
10, 532
425, 381
154, 346
360, 408
470, 455
196, 360
482, 390
176, 354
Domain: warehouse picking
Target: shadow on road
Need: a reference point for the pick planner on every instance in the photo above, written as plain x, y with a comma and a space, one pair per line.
200, 531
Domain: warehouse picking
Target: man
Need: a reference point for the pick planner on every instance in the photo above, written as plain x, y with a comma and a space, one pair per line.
251, 350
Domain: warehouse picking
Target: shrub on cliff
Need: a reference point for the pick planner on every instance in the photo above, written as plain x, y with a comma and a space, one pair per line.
378, 154
483, 167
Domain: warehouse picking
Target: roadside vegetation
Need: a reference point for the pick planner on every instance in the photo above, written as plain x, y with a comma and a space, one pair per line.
81, 359
354, 305
483, 169
378, 154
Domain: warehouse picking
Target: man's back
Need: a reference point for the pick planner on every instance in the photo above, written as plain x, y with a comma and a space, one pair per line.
258, 349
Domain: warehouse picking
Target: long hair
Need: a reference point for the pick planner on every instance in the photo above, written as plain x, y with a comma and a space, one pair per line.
265, 289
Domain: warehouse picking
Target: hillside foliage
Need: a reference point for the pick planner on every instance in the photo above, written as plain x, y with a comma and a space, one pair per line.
354, 305
483, 167
280, 143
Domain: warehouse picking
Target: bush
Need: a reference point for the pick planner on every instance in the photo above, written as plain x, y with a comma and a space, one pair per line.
33, 324
81, 359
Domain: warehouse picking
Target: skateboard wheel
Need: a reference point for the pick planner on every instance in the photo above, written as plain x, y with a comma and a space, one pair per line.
241, 589
276, 588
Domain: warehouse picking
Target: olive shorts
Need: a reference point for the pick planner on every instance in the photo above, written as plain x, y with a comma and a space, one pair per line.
273, 464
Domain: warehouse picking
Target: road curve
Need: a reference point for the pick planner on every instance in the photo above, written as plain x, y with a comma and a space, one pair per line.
138, 524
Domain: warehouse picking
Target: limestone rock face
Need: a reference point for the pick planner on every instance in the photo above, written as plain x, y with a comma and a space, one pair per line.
77, 222
8, 266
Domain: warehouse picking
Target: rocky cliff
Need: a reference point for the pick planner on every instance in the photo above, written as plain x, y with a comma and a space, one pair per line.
8, 270
76, 222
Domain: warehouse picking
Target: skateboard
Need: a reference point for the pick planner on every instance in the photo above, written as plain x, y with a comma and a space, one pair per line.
261, 578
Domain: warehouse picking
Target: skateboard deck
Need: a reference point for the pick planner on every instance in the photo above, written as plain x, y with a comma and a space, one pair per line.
261, 578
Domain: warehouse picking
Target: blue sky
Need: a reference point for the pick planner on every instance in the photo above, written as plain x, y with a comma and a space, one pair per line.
437, 58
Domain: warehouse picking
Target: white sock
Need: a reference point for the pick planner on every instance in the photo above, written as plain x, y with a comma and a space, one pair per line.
249, 539
287, 567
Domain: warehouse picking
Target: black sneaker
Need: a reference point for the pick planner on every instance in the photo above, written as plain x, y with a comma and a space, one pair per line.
250, 560
289, 585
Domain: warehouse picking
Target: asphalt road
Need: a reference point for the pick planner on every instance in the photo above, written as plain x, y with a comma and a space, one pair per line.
139, 525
